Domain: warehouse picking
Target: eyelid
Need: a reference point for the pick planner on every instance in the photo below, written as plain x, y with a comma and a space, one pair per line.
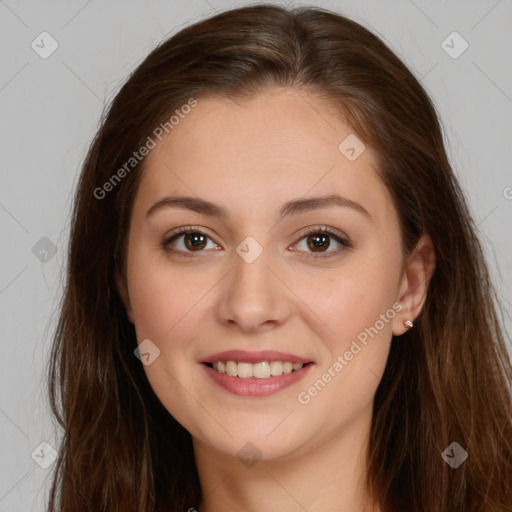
323, 229
187, 229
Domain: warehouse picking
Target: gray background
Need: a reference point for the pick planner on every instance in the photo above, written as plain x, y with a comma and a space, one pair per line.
50, 109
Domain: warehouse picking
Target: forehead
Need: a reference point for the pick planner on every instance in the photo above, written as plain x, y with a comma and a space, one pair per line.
279, 144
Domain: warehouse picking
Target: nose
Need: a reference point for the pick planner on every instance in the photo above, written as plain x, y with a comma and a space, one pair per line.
254, 295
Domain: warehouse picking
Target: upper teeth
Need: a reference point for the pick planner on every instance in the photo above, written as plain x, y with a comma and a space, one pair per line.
259, 370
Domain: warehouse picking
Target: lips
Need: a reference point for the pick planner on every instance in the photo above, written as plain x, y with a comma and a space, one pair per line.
255, 374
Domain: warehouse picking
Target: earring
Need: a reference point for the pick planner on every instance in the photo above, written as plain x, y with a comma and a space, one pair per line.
408, 324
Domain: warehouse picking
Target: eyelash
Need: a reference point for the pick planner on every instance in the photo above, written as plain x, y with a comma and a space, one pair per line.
344, 242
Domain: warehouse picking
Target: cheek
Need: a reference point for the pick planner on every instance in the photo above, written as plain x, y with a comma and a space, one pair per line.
359, 310
167, 306
356, 304
160, 297
172, 307
352, 298
169, 302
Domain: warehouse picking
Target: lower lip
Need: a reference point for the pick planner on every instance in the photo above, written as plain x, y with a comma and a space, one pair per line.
254, 386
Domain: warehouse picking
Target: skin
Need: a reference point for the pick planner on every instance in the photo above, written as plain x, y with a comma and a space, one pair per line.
250, 157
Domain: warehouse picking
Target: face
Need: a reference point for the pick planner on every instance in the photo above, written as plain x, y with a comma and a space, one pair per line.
271, 281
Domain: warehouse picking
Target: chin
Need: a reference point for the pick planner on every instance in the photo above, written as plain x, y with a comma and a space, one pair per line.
256, 441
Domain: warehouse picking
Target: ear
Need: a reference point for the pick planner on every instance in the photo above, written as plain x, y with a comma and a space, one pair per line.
123, 292
414, 283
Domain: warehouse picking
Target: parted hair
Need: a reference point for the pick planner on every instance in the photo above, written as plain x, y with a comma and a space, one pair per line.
447, 379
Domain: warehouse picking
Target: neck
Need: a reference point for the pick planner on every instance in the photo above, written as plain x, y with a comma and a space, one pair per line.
329, 476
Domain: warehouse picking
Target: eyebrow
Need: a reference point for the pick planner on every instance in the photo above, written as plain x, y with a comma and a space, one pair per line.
292, 207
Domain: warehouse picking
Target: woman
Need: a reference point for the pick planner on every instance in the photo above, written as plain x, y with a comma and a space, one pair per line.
276, 298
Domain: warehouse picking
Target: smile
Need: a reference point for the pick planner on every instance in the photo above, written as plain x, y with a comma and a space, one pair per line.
255, 374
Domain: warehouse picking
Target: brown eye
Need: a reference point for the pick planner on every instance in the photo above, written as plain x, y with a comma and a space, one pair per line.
192, 240
319, 240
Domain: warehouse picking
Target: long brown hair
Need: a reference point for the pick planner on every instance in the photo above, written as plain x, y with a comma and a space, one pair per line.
447, 380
